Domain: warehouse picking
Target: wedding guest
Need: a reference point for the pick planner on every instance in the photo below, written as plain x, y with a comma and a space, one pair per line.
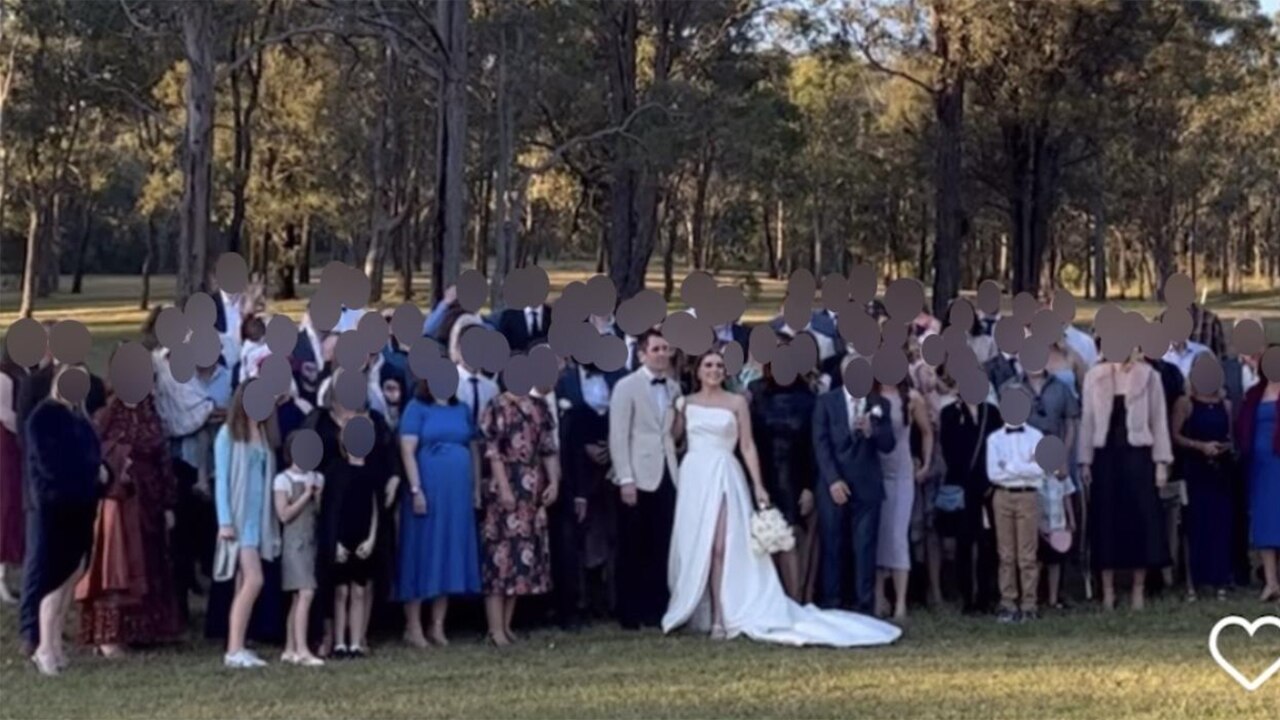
964, 428
525, 327
348, 534
438, 554
307, 359
924, 531
1124, 459
583, 523
522, 451
296, 494
848, 435
1259, 439
11, 520
642, 451
253, 348
62, 490
1182, 355
475, 391
782, 421
1201, 427
248, 534
907, 413
127, 596
1016, 478
393, 395
1057, 531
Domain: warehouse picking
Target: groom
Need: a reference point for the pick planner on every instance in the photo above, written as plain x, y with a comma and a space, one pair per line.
849, 433
644, 467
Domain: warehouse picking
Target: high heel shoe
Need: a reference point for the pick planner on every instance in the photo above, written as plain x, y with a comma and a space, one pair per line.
47, 665
718, 633
1269, 594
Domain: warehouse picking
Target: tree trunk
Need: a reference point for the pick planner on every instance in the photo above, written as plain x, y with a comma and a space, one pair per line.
308, 243
948, 179
1098, 240
698, 223
197, 160
82, 250
766, 228
503, 231
144, 301
780, 238
815, 245
31, 264
672, 217
451, 145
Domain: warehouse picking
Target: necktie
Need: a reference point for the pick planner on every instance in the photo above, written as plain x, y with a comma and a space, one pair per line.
475, 399
535, 327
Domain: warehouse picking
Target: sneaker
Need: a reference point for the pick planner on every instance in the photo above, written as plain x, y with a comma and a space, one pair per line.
308, 661
1007, 617
242, 660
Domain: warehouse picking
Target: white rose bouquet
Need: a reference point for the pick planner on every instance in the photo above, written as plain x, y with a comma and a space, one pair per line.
770, 532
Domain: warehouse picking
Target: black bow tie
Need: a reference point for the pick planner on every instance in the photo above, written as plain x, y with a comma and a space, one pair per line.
658, 381
590, 370
1014, 429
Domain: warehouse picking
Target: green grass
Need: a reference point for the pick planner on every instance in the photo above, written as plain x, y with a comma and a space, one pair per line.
109, 304
1082, 664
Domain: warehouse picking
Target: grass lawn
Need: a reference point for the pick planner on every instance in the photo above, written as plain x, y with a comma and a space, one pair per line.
109, 305
1081, 664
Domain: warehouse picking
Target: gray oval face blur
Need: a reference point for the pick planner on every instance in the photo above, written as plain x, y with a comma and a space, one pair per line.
484, 348
697, 289
1009, 334
1064, 306
421, 355
526, 287
69, 340
473, 290
904, 299
733, 358
172, 327
518, 375
73, 384
358, 436
305, 449
1271, 363
407, 323
762, 343
1178, 324
182, 362
351, 389
131, 374
641, 312
1206, 374
1035, 355
1179, 291
206, 346
232, 272
860, 330
442, 377
26, 341
200, 311
1051, 454
350, 351
259, 401
933, 350
835, 292
610, 353
862, 284
989, 292
600, 296
324, 309
282, 334
1015, 405
1247, 337
889, 366
275, 374
858, 377
961, 314
372, 330
688, 333
724, 307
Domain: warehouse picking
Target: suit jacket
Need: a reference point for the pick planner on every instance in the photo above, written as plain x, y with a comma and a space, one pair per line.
845, 455
640, 442
580, 426
514, 326
1000, 370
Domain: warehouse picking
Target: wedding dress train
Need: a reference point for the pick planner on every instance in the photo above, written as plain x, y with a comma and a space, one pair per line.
752, 598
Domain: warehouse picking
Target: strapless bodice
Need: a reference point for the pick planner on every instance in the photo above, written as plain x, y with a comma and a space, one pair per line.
711, 428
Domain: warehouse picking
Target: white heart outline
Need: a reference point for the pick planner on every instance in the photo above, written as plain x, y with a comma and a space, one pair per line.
1251, 628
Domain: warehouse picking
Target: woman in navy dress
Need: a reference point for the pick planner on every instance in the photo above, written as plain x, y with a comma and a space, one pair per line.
1259, 437
1202, 428
439, 555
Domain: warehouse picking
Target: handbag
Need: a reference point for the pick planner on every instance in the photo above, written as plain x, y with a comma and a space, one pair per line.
951, 496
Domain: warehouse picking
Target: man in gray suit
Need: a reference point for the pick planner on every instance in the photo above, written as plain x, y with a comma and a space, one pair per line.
643, 452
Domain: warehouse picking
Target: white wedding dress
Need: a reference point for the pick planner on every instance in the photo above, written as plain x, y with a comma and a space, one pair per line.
753, 601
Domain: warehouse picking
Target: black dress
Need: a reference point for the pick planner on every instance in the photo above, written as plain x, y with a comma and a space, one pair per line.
1211, 485
1126, 518
347, 520
782, 422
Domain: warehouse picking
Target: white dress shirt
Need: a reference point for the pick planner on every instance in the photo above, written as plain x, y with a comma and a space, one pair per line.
533, 319
1185, 357
855, 406
658, 392
1011, 458
595, 390
475, 395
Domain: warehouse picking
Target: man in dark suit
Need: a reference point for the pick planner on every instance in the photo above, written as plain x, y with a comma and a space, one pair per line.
525, 327
582, 523
849, 433
1001, 369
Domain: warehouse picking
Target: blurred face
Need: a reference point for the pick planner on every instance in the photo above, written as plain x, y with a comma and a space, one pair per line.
711, 371
656, 354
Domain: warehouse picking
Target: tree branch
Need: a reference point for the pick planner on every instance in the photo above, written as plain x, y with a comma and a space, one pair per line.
558, 153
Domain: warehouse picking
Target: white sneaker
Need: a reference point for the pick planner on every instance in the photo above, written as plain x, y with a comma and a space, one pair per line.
308, 661
242, 659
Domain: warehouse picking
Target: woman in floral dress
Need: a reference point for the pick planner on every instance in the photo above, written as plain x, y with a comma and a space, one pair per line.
522, 451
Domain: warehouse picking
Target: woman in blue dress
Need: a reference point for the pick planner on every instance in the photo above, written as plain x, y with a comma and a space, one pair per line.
439, 554
1259, 438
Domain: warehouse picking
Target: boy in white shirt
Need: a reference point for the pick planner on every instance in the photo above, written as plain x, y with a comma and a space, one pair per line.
1016, 478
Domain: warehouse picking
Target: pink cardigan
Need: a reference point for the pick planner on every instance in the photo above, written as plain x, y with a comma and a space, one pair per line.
1146, 412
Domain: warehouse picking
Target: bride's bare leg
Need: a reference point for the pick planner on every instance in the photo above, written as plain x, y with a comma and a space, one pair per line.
717, 571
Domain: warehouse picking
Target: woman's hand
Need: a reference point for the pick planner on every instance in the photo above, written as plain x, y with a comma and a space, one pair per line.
169, 520
1162, 475
550, 494
419, 504
365, 549
227, 532
1086, 475
922, 473
341, 555
806, 503
506, 499
762, 497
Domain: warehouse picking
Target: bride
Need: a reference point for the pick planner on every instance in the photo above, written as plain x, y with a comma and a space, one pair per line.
717, 582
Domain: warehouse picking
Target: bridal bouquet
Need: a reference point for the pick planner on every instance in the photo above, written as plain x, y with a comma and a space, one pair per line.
770, 532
